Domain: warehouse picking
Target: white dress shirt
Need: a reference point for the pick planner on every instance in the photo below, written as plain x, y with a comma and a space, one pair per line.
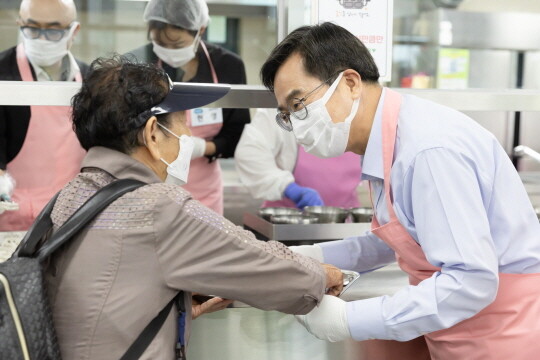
458, 195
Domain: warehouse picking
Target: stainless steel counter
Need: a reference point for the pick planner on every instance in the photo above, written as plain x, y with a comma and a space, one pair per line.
311, 232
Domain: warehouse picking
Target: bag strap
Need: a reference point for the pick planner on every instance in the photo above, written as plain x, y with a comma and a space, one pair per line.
39, 228
144, 339
80, 218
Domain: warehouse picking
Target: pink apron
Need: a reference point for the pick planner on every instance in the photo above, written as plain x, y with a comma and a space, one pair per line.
205, 181
336, 183
509, 328
50, 156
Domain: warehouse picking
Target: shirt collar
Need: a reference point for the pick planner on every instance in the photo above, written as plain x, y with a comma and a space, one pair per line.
372, 164
69, 69
119, 165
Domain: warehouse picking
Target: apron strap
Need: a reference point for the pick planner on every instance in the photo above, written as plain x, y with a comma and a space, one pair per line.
212, 69
24, 64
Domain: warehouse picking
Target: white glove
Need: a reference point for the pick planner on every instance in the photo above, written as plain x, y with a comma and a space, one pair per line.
328, 321
313, 251
7, 184
199, 147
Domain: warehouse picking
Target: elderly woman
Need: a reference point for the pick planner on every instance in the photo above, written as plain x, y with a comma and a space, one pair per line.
110, 281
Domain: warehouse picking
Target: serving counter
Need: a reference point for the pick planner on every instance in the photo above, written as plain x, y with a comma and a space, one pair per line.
243, 332
252, 334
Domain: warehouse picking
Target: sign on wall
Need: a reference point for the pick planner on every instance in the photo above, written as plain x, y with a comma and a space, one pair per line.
370, 20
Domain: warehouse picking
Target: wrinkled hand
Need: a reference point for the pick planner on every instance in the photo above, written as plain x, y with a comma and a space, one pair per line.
209, 306
334, 279
303, 196
328, 321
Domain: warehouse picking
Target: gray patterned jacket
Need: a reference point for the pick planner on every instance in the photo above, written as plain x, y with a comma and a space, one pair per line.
110, 281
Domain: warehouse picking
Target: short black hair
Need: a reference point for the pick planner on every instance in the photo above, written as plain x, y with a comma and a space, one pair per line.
114, 102
325, 49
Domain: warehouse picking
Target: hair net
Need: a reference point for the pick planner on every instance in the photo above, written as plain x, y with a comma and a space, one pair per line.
187, 14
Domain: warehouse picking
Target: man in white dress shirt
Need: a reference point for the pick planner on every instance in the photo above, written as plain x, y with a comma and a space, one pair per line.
448, 204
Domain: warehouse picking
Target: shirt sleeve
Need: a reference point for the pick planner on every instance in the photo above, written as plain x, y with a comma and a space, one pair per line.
255, 159
200, 251
358, 253
449, 212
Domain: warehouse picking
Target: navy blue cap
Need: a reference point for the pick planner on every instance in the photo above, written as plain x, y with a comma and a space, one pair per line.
184, 96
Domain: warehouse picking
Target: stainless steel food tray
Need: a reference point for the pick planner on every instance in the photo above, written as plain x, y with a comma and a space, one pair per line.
290, 232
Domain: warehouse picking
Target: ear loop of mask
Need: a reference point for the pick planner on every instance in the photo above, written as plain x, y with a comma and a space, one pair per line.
163, 127
170, 132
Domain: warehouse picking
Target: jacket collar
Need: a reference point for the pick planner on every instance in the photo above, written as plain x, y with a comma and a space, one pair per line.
119, 165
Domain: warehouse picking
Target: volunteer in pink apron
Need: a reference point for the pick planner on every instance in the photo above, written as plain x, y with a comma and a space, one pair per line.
449, 206
276, 169
176, 28
39, 152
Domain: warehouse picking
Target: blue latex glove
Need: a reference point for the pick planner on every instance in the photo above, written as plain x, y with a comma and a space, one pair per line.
302, 196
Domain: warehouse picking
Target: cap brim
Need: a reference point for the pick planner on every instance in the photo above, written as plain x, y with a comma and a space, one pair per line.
184, 96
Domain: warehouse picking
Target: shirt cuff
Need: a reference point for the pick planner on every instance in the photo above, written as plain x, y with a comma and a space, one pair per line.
365, 319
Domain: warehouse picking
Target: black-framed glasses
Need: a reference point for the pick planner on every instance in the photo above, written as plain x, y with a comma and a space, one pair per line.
33, 32
297, 108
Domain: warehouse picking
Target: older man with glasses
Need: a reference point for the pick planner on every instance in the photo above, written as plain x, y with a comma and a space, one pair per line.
39, 152
449, 207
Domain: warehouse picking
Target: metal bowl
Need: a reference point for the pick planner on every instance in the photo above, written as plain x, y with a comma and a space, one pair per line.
361, 214
293, 219
266, 213
327, 214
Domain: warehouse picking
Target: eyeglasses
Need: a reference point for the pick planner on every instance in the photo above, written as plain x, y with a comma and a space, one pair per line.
297, 108
32, 32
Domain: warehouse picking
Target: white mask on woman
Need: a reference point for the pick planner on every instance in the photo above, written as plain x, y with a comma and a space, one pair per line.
178, 170
317, 133
42, 52
177, 57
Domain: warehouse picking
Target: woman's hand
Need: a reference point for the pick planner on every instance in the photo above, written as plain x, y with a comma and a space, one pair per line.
213, 304
334, 280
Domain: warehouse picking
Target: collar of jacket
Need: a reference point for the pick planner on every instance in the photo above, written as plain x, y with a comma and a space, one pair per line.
119, 165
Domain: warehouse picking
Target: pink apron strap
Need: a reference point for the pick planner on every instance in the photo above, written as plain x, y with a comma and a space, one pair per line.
212, 69
24, 65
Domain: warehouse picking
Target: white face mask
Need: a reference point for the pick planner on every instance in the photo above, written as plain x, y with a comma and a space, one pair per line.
317, 133
178, 170
177, 57
42, 52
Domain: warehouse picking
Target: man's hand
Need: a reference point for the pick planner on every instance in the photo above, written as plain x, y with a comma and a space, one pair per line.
328, 321
208, 306
334, 279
